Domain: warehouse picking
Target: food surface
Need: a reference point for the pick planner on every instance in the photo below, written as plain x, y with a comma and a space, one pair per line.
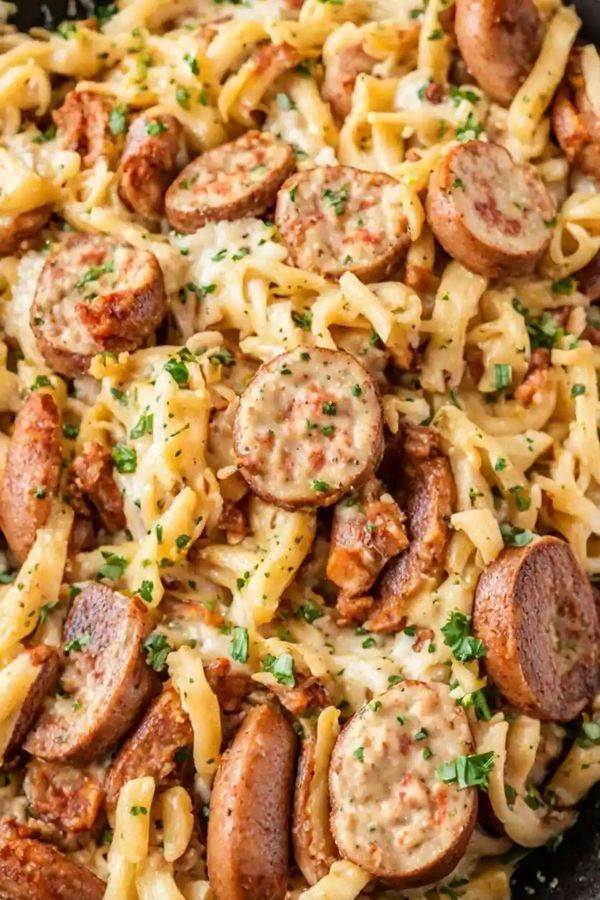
299, 457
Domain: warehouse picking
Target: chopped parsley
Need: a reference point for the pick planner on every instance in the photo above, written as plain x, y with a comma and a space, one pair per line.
469, 130
192, 63
322, 487
70, 431
239, 644
577, 390
117, 120
95, 273
516, 537
285, 102
359, 754
302, 320
46, 135
282, 668
457, 635
178, 370
145, 590
157, 649
468, 771
156, 127
502, 375
113, 566
144, 425
337, 199
564, 286
222, 358
310, 611
125, 459
138, 811
78, 643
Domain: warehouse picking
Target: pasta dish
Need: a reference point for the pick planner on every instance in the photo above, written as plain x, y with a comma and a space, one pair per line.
299, 454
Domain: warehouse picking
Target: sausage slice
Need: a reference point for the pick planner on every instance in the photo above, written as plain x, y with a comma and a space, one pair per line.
46, 661
82, 125
341, 74
30, 870
489, 212
534, 610
92, 476
314, 848
367, 532
152, 748
105, 676
425, 485
235, 180
95, 293
61, 795
248, 827
308, 428
149, 164
575, 120
15, 229
390, 812
32, 475
336, 219
499, 41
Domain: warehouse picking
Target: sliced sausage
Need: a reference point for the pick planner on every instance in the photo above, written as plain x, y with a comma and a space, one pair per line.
229, 687
92, 476
535, 377
308, 694
229, 182
32, 475
314, 847
367, 532
488, 212
46, 661
336, 219
149, 164
95, 293
30, 870
82, 125
588, 279
341, 74
152, 748
308, 428
575, 119
64, 796
250, 805
15, 229
105, 677
534, 610
499, 41
427, 492
390, 812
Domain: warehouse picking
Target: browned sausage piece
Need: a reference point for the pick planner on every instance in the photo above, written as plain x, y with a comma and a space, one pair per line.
92, 475
32, 475
95, 293
308, 428
588, 279
499, 41
61, 795
336, 219
152, 748
490, 213
427, 492
229, 182
341, 74
82, 126
390, 812
534, 610
250, 805
46, 661
149, 164
535, 377
105, 676
14, 229
30, 870
314, 847
367, 532
575, 121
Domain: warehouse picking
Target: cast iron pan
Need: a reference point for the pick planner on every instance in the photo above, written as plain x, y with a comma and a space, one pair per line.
572, 870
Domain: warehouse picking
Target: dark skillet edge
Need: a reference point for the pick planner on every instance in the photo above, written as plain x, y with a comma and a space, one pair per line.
572, 871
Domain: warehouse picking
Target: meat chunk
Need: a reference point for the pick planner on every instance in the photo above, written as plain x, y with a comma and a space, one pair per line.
535, 377
534, 610
314, 847
427, 493
92, 476
367, 532
149, 164
32, 475
353, 609
82, 126
309, 428
341, 74
63, 796
30, 870
233, 522
153, 747
230, 687
499, 41
229, 182
248, 827
588, 279
95, 293
16, 229
105, 676
308, 694
45, 660
336, 219
575, 117
490, 213
391, 814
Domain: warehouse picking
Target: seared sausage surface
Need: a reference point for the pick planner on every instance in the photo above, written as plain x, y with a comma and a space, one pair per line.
149, 164
104, 672
46, 661
336, 219
82, 125
309, 428
234, 180
491, 214
32, 475
15, 229
391, 814
575, 119
95, 293
30, 870
534, 610
65, 796
248, 827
